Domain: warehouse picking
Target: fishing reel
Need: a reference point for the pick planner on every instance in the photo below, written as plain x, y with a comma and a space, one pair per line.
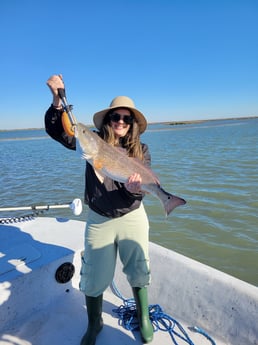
68, 119
66, 123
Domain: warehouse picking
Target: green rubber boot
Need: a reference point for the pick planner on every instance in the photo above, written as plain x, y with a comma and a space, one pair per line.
142, 307
95, 321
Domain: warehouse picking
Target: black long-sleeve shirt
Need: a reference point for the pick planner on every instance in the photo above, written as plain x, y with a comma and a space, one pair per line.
108, 197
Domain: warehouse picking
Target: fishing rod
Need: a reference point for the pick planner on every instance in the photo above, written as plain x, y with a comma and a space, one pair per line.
68, 120
75, 206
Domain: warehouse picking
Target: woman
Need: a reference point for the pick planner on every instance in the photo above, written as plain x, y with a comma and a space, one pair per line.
116, 221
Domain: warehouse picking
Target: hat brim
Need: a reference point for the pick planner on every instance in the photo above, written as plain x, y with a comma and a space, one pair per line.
140, 118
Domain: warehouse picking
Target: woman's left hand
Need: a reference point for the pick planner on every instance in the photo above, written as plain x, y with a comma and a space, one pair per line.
133, 185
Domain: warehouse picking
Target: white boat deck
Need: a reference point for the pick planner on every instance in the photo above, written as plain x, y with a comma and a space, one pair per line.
65, 321
37, 310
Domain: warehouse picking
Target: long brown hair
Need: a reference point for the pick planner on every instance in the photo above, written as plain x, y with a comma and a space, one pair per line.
131, 141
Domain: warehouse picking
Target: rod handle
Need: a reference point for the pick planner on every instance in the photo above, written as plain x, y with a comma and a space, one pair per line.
61, 93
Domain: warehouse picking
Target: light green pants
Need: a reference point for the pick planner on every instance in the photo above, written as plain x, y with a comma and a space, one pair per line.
129, 235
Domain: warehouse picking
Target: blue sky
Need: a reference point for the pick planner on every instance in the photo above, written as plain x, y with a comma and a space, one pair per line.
178, 59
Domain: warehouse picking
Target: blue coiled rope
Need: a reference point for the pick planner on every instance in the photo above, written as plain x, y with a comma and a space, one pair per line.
127, 315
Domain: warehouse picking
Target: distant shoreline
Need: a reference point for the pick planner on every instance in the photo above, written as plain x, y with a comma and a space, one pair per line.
171, 123
189, 122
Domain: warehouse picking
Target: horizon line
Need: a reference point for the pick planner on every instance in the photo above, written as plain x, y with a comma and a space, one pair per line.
153, 123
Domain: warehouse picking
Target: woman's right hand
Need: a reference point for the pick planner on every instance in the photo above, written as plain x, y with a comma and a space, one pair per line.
133, 184
55, 82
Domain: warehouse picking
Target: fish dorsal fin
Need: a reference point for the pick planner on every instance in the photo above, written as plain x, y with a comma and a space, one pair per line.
154, 175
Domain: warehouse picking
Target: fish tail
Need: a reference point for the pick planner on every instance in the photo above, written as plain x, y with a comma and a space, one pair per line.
171, 201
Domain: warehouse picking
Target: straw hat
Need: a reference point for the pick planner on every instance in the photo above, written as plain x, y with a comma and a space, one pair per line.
121, 102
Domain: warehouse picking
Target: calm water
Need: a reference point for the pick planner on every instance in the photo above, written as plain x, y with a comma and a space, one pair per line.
213, 165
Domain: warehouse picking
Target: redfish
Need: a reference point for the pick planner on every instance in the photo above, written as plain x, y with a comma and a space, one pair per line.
114, 163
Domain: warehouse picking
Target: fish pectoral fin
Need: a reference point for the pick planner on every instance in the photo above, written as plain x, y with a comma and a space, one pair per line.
98, 164
99, 176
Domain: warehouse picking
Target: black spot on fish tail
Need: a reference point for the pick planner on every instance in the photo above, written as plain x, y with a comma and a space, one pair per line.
171, 202
170, 196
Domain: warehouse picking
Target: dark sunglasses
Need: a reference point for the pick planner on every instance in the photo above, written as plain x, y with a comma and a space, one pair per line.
128, 119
